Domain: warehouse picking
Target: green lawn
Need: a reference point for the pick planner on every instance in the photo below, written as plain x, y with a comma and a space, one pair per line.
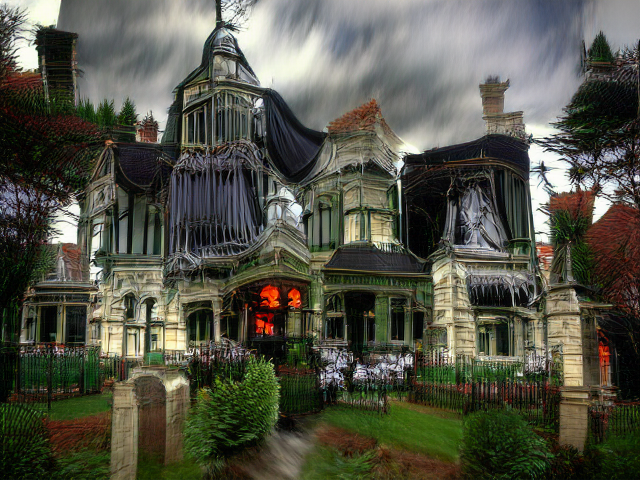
187, 469
79, 407
409, 427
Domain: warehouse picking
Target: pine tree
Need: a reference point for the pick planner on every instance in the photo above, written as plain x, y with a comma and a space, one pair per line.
128, 115
106, 114
87, 111
600, 50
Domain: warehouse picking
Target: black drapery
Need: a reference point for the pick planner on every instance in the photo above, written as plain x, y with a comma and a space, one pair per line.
292, 147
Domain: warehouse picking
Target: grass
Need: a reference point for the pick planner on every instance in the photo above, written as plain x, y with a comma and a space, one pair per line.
149, 469
79, 407
408, 427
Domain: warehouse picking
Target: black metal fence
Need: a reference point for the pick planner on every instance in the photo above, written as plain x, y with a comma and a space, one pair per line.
613, 420
41, 375
463, 384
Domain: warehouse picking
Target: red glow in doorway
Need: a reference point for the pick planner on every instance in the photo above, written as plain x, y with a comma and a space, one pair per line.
270, 296
294, 298
264, 323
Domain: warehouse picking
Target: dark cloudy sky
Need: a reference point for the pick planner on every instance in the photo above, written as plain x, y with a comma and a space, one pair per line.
421, 59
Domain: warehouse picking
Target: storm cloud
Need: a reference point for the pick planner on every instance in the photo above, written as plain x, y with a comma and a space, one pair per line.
422, 60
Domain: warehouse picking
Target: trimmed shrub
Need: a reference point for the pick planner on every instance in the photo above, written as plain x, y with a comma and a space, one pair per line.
499, 444
25, 451
232, 415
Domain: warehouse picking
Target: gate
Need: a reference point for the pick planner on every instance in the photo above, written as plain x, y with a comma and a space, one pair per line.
151, 396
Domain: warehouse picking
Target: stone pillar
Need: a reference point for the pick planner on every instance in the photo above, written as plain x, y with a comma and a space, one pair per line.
564, 331
381, 311
216, 303
124, 433
574, 416
177, 407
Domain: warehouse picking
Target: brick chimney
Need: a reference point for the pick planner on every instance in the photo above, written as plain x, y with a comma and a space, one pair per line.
496, 121
147, 131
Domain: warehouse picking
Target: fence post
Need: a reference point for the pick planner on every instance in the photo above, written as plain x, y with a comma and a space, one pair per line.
82, 382
574, 416
49, 377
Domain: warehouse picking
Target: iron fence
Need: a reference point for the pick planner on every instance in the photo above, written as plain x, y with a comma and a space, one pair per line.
463, 384
613, 420
44, 374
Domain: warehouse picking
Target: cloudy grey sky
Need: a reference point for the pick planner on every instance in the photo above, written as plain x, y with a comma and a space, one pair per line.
421, 59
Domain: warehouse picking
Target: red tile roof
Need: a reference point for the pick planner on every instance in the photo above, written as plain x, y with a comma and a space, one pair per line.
363, 118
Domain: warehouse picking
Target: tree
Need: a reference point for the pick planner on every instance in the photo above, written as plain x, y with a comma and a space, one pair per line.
599, 138
45, 159
106, 114
12, 22
600, 131
600, 50
87, 111
127, 115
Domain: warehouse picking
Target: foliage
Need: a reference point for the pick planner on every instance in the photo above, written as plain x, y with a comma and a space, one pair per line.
599, 131
127, 115
106, 113
567, 464
617, 458
615, 241
85, 464
12, 22
409, 427
232, 415
26, 452
45, 159
600, 50
571, 215
87, 111
499, 444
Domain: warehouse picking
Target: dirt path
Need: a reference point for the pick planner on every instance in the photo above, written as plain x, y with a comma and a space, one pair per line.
282, 455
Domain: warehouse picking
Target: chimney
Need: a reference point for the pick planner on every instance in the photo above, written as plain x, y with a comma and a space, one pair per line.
147, 130
492, 93
496, 121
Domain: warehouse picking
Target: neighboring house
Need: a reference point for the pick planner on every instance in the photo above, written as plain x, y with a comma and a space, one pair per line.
57, 308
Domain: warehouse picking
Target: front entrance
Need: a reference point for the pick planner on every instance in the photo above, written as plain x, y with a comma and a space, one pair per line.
360, 319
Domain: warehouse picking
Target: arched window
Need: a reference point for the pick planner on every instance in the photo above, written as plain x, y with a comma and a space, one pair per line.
130, 304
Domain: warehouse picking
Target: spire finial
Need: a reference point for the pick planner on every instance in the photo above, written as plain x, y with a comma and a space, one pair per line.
219, 21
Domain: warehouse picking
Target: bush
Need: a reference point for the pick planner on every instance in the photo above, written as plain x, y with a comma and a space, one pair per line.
617, 458
85, 464
500, 445
232, 415
25, 452
567, 464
